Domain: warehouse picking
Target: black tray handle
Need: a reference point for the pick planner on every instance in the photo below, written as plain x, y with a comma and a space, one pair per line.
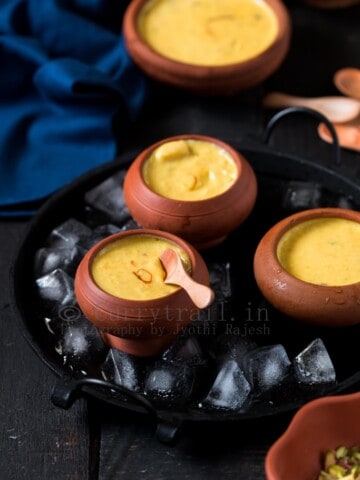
68, 390
309, 111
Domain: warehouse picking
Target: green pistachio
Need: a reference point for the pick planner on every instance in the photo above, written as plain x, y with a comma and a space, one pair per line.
342, 463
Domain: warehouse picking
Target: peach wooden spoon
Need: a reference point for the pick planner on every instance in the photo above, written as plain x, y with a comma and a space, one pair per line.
201, 295
348, 135
347, 80
337, 109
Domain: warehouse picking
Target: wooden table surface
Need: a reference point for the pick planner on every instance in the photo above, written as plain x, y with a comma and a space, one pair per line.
94, 441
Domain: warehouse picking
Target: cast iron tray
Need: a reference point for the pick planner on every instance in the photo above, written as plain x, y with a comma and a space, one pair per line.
275, 172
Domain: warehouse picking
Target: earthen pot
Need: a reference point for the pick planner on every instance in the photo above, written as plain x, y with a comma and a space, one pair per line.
309, 302
138, 327
223, 80
323, 424
203, 223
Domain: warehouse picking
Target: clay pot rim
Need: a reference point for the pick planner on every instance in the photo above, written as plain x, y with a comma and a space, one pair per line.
130, 303
289, 222
203, 71
279, 447
211, 201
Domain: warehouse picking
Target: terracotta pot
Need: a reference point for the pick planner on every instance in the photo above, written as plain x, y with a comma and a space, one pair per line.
227, 79
311, 303
320, 425
138, 327
203, 223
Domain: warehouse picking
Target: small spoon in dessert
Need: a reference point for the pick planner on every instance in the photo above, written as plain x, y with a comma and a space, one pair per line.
201, 295
347, 80
337, 109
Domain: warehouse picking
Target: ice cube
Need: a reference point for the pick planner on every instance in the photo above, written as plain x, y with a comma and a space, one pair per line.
104, 231
108, 199
313, 365
220, 280
130, 225
302, 195
81, 345
123, 369
99, 233
185, 350
170, 382
231, 346
205, 322
208, 319
230, 388
48, 259
345, 202
57, 287
68, 234
57, 319
266, 367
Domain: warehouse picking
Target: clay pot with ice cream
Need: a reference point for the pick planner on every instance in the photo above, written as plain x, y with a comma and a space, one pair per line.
210, 47
119, 286
308, 266
194, 186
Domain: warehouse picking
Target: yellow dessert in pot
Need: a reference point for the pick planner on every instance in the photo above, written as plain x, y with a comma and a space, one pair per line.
323, 251
189, 170
208, 32
130, 268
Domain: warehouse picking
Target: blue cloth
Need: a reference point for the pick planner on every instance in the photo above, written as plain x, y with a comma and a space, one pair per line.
64, 76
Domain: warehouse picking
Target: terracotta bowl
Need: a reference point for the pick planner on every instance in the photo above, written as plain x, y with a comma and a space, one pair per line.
320, 425
227, 79
308, 302
204, 223
138, 327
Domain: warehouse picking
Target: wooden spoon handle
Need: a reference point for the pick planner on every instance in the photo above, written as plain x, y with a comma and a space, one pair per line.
348, 135
201, 295
279, 100
347, 80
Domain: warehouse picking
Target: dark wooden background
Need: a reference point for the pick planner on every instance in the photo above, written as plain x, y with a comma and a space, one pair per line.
93, 440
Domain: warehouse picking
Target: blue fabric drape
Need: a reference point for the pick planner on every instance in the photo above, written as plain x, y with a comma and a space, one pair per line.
64, 75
